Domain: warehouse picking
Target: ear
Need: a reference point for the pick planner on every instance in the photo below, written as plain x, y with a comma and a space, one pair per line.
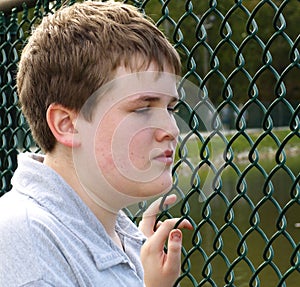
61, 122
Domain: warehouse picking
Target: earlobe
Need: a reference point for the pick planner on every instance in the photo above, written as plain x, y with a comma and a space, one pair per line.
61, 122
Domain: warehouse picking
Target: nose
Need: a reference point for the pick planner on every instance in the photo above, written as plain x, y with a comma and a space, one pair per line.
167, 129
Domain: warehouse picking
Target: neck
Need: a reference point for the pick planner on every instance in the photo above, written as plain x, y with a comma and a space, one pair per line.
63, 165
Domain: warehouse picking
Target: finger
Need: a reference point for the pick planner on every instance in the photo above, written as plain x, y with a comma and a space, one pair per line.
154, 207
149, 217
184, 224
173, 262
158, 239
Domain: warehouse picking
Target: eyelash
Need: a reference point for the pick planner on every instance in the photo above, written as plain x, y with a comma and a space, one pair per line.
171, 110
142, 110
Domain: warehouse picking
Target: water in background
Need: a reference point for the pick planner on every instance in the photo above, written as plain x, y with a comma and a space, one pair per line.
223, 247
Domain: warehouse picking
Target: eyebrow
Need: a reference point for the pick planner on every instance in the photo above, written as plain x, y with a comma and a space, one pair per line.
151, 98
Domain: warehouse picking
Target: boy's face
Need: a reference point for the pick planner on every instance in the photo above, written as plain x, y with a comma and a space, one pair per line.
129, 145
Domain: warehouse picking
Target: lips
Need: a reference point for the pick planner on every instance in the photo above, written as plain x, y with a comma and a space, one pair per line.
165, 157
168, 153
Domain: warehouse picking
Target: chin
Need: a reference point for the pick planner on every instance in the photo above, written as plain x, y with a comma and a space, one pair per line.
156, 188
139, 190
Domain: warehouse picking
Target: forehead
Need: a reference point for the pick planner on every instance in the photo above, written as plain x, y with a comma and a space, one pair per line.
145, 82
127, 84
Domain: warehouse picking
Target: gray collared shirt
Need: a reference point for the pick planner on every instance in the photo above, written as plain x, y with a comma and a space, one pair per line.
49, 237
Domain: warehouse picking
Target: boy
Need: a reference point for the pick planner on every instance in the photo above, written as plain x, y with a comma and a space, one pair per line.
96, 83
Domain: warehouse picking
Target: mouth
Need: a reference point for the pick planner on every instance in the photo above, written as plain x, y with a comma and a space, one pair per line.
165, 157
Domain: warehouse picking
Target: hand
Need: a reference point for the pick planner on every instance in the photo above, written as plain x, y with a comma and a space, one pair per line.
160, 268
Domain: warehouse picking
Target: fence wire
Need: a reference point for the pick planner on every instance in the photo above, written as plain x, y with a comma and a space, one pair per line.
237, 164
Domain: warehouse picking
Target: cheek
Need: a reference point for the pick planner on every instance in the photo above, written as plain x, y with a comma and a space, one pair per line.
102, 146
118, 148
140, 147
104, 158
123, 150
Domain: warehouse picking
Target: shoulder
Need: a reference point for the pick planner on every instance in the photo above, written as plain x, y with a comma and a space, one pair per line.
16, 244
13, 215
23, 222
18, 212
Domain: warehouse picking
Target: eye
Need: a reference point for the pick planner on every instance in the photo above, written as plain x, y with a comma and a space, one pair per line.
142, 110
173, 109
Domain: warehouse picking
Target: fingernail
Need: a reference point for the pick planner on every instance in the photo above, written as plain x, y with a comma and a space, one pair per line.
176, 235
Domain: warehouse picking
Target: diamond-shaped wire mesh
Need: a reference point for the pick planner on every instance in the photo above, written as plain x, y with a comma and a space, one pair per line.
237, 164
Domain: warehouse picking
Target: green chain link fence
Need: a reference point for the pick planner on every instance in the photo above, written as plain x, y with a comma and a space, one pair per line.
238, 176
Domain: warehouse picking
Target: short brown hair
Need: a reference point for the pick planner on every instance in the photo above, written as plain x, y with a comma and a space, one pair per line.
75, 51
